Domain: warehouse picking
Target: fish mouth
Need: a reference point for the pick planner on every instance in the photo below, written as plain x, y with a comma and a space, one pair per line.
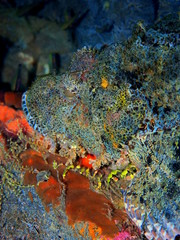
29, 118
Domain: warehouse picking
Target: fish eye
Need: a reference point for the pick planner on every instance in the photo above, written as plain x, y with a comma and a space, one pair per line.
69, 93
74, 90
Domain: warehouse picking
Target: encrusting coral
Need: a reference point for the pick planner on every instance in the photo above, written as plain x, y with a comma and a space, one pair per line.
45, 170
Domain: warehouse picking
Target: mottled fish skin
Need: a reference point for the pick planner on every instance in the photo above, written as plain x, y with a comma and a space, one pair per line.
152, 199
102, 103
78, 106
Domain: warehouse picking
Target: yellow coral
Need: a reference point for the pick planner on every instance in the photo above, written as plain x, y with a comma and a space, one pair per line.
121, 99
104, 82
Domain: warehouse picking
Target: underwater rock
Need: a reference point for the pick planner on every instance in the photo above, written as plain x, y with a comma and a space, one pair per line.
33, 40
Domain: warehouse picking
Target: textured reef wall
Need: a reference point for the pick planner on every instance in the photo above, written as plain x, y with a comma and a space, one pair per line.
110, 127
30, 174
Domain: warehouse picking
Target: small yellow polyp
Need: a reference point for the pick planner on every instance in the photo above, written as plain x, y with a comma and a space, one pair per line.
104, 82
115, 145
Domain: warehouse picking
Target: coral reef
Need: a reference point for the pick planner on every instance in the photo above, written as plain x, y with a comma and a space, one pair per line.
30, 173
110, 139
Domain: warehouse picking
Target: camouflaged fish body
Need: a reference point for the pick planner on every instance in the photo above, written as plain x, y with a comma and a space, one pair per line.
122, 95
152, 199
77, 106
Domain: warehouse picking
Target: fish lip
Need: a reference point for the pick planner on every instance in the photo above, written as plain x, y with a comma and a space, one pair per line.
23, 100
23, 103
29, 117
